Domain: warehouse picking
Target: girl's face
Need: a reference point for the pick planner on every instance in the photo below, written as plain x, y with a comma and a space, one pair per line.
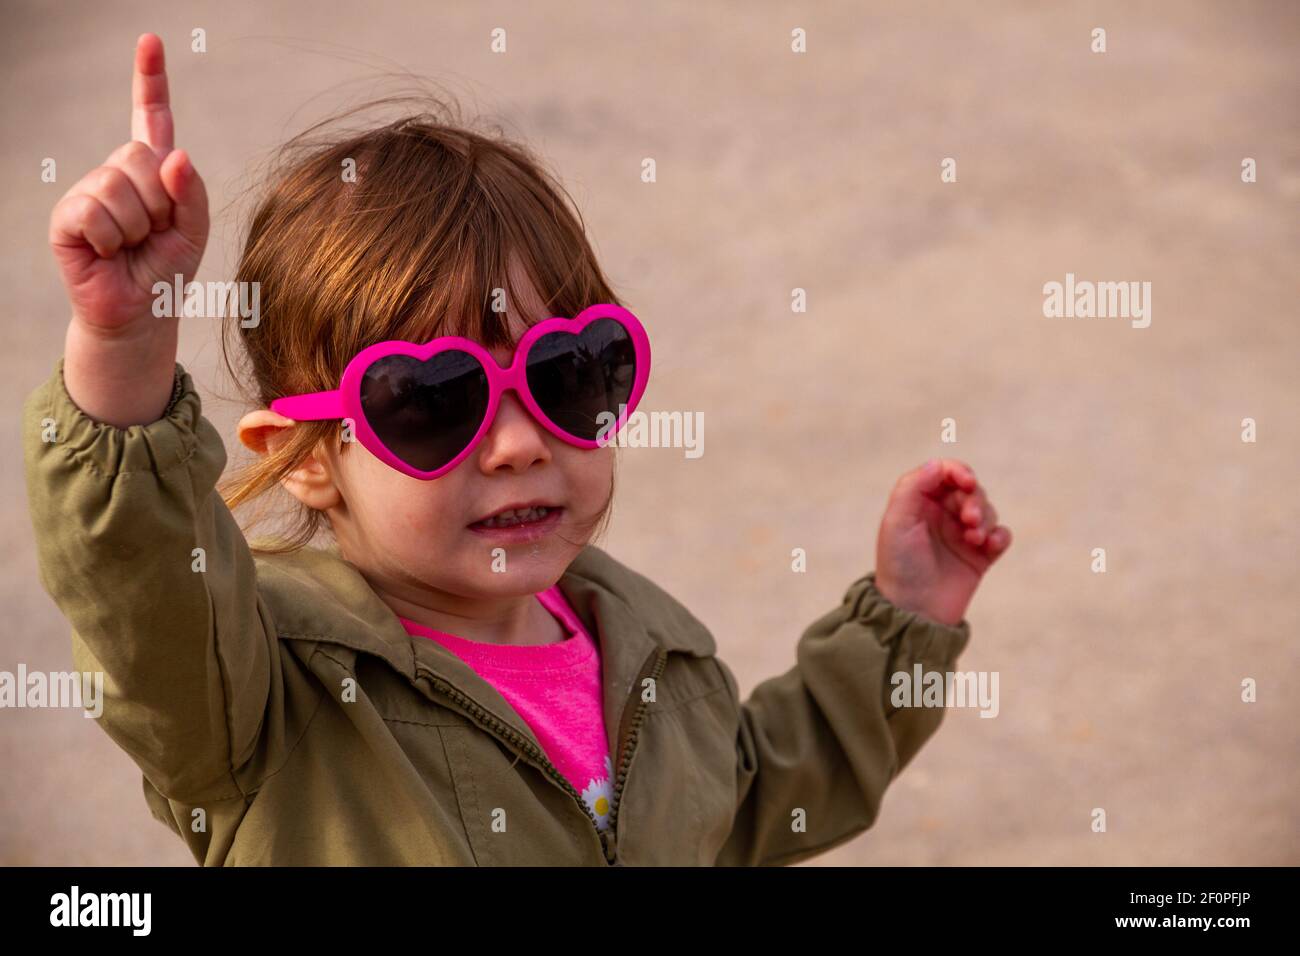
416, 542
408, 536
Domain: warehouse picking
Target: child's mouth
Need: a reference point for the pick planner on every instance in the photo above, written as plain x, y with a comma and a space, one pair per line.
525, 525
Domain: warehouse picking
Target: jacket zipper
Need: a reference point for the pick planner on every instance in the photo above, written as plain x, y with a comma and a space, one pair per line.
521, 742
627, 747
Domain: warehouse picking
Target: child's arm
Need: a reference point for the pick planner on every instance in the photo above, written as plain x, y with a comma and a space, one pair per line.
133, 543
150, 569
818, 745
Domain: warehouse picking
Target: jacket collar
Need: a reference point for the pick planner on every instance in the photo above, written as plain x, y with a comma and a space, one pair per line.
315, 595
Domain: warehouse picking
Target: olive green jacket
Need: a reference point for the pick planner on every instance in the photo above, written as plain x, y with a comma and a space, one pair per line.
281, 714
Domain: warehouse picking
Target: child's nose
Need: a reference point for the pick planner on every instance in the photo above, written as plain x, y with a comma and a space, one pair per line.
515, 439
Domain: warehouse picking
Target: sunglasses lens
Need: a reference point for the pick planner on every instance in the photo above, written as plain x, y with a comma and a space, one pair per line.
574, 378
425, 412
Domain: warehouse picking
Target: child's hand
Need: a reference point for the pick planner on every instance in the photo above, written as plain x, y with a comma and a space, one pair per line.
139, 218
937, 538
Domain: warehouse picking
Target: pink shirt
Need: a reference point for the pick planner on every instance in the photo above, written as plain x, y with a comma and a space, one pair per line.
556, 689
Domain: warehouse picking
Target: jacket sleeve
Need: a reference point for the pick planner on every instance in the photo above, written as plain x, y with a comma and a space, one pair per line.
142, 556
824, 738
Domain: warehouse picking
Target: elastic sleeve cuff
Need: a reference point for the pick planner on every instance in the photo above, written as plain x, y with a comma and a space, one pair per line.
108, 450
927, 640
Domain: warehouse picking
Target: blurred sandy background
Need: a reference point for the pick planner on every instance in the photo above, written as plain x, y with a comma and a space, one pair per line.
821, 171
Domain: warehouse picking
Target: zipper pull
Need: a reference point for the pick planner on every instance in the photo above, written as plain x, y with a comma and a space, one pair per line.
611, 848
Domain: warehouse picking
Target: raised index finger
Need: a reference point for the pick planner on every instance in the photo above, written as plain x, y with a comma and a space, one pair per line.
151, 111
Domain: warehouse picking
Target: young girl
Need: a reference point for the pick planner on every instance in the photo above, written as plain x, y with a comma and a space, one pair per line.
461, 676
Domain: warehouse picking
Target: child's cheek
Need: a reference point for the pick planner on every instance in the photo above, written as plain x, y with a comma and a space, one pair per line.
592, 472
417, 511
399, 512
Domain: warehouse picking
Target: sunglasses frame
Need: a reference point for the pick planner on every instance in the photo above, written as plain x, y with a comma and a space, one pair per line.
344, 402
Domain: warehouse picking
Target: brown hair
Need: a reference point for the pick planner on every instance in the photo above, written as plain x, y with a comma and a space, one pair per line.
410, 249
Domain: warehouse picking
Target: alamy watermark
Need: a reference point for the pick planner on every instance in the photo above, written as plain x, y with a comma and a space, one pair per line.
70, 689
208, 300
129, 910
922, 688
653, 430
1086, 300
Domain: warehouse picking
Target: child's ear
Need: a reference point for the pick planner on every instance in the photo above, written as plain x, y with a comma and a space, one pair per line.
262, 432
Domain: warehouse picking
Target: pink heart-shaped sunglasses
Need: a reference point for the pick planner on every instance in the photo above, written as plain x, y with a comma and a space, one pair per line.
422, 408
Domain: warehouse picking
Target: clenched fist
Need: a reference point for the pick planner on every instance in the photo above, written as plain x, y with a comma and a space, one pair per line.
939, 535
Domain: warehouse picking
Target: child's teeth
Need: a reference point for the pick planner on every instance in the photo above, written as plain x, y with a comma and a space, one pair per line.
508, 518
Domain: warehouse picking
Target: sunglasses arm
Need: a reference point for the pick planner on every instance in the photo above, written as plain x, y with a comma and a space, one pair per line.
313, 406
